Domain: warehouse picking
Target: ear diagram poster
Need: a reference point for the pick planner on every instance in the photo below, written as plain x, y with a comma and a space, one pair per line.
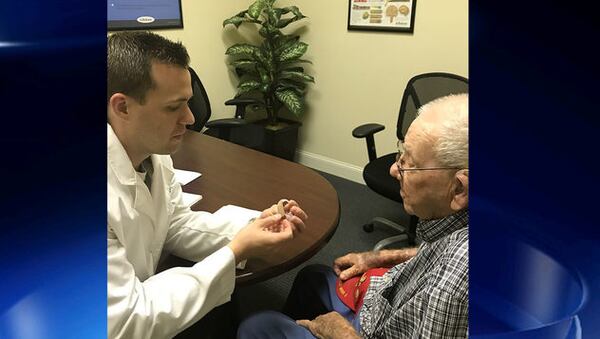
390, 15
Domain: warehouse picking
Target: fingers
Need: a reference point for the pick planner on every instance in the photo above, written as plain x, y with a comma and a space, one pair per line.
343, 261
309, 325
349, 273
265, 213
273, 228
285, 206
337, 270
269, 211
297, 211
293, 222
341, 264
304, 323
296, 223
268, 222
288, 204
291, 206
283, 235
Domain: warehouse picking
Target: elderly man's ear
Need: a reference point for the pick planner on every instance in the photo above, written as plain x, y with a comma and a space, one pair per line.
460, 199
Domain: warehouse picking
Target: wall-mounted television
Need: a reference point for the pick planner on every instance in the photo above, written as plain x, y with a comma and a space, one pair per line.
144, 14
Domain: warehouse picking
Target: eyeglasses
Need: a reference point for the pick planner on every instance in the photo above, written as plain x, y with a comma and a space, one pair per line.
401, 170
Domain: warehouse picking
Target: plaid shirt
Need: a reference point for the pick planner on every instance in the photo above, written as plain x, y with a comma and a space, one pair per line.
427, 296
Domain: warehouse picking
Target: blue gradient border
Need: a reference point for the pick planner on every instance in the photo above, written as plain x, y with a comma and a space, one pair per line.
533, 139
53, 200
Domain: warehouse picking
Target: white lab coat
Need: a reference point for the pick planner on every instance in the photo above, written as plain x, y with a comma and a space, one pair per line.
142, 304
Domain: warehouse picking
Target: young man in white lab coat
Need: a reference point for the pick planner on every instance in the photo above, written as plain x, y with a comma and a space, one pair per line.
148, 89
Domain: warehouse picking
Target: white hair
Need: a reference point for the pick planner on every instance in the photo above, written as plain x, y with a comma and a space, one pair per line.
451, 148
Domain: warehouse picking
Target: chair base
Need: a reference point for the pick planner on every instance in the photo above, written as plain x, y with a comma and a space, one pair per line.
369, 227
403, 236
383, 244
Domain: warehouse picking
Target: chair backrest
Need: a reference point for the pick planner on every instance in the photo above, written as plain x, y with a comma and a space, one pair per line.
199, 103
424, 88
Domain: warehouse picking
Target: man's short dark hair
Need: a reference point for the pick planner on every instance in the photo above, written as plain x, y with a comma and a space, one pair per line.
130, 58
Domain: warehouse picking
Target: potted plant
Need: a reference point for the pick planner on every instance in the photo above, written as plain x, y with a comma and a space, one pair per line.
272, 70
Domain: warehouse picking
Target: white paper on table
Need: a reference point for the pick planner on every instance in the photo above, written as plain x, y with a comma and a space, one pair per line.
183, 177
238, 215
189, 199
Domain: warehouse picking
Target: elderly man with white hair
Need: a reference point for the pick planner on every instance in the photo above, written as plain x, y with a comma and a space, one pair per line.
407, 293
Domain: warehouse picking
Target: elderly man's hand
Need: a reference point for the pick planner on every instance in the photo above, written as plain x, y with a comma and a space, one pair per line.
294, 216
330, 326
354, 264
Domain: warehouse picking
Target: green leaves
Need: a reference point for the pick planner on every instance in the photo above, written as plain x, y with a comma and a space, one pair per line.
294, 69
297, 14
247, 86
243, 63
238, 19
257, 7
234, 20
296, 86
264, 57
291, 100
297, 76
284, 41
272, 67
264, 76
296, 61
284, 22
242, 50
273, 15
293, 51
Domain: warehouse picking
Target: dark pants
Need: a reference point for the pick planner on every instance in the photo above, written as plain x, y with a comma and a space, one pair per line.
220, 323
312, 294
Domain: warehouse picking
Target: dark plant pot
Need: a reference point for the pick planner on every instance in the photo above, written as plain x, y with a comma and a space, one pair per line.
280, 140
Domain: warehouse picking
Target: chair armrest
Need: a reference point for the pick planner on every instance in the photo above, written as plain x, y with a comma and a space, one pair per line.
241, 104
365, 130
221, 128
242, 101
226, 123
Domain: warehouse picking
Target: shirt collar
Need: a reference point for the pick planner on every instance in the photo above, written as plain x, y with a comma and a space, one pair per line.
434, 229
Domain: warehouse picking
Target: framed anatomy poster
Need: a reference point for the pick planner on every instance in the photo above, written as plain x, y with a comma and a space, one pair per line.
382, 15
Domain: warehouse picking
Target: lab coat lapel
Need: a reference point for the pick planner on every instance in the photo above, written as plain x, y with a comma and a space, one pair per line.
161, 190
155, 205
143, 202
125, 173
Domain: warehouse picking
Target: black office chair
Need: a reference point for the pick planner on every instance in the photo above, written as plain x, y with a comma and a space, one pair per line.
200, 107
419, 90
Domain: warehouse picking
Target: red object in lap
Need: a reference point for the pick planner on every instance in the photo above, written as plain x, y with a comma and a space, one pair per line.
352, 291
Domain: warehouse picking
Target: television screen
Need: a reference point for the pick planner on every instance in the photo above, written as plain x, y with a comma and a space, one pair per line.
144, 14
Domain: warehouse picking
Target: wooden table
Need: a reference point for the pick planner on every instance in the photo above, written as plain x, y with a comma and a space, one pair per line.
232, 174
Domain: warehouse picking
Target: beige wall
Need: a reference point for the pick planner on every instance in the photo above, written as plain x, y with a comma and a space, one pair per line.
359, 75
205, 42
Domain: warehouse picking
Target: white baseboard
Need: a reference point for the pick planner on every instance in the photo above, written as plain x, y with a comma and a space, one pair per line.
332, 166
